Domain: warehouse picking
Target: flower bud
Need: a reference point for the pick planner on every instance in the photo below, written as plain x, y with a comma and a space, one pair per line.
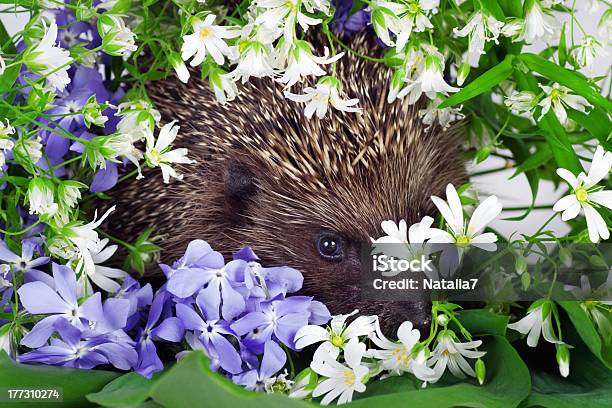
563, 359
442, 319
565, 256
520, 264
526, 280
513, 28
481, 371
92, 113
179, 67
397, 83
117, 39
40, 196
68, 192
464, 71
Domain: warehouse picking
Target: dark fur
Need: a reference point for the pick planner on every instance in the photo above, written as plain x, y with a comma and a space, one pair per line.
269, 178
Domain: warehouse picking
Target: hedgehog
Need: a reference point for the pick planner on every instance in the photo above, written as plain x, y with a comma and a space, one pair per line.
299, 192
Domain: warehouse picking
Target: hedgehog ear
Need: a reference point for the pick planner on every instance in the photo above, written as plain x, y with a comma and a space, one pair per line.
240, 188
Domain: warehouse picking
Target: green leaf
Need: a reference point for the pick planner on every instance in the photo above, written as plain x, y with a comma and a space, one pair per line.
512, 8
493, 7
586, 329
596, 123
479, 322
129, 389
565, 77
521, 154
562, 48
74, 383
506, 385
587, 386
482, 84
191, 381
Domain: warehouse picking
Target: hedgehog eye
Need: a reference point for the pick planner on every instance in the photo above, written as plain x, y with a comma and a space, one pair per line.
329, 246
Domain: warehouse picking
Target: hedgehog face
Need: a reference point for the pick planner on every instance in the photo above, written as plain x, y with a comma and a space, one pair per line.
323, 232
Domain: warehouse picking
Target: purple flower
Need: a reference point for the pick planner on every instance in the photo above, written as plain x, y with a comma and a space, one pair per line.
139, 298
346, 24
273, 360
202, 269
267, 282
279, 319
25, 263
169, 329
211, 332
73, 351
58, 301
105, 178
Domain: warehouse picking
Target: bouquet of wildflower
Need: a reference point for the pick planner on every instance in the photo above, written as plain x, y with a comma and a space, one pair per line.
76, 120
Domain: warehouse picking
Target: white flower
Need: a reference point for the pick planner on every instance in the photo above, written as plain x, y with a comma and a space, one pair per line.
538, 321
444, 116
480, 28
122, 145
179, 67
85, 239
92, 113
47, 59
68, 192
558, 97
404, 355
208, 39
452, 354
225, 89
604, 27
40, 197
538, 23
117, 39
521, 102
135, 115
255, 60
302, 387
513, 28
325, 93
158, 153
430, 80
342, 379
413, 66
585, 54
588, 196
6, 143
337, 334
2, 65
29, 150
402, 19
302, 63
103, 276
563, 359
463, 234
285, 13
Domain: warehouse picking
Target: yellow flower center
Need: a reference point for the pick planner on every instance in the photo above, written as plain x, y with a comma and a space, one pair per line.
463, 240
349, 377
582, 195
337, 341
414, 8
555, 94
400, 355
155, 156
204, 33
